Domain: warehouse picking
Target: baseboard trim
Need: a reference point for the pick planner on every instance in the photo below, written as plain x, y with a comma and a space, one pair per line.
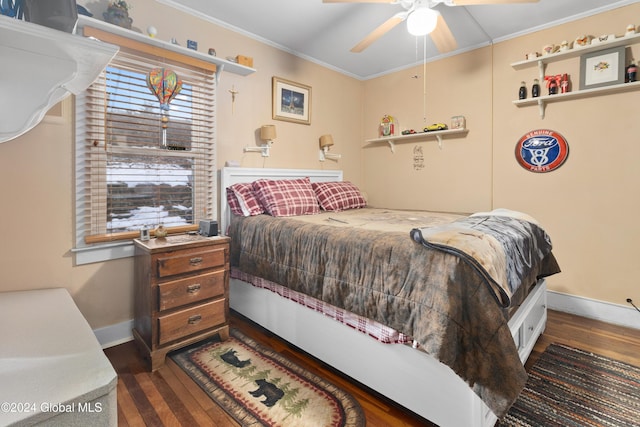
616, 314
112, 335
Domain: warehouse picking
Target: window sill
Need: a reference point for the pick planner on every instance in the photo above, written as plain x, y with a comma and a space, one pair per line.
101, 253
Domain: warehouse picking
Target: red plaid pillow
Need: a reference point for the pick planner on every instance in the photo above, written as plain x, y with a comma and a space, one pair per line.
286, 197
338, 195
242, 201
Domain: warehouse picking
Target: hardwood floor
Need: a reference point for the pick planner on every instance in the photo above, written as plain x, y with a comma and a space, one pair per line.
168, 397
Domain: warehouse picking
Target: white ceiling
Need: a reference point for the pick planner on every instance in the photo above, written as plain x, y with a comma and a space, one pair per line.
325, 32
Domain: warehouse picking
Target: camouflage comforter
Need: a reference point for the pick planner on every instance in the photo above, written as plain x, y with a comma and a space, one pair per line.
436, 296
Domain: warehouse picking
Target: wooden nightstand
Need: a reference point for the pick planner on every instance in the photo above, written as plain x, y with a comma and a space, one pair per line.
181, 293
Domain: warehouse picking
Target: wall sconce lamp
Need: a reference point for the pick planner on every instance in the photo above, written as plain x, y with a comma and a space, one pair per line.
268, 134
326, 141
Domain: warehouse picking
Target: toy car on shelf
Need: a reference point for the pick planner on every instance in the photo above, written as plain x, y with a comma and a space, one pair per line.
436, 126
408, 132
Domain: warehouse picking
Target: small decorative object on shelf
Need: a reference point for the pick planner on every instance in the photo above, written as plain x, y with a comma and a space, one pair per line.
522, 93
212, 51
160, 232
582, 41
630, 30
565, 85
118, 14
632, 72
458, 122
436, 126
532, 55
564, 46
549, 49
151, 31
553, 82
244, 60
192, 44
535, 89
387, 126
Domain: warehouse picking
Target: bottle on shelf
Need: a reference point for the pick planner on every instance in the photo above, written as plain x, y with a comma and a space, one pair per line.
522, 93
565, 85
632, 71
552, 84
535, 89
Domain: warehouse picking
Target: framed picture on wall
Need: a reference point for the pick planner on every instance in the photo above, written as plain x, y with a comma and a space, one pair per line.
602, 68
291, 101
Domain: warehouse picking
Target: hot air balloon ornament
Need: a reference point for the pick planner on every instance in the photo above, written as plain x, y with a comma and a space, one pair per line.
165, 85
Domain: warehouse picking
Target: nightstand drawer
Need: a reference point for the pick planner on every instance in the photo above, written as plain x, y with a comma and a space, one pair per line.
186, 322
192, 289
188, 261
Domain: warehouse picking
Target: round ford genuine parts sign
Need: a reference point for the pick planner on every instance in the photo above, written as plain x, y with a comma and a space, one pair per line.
542, 150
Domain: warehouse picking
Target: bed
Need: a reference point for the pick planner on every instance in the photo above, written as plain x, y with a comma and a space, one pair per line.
460, 361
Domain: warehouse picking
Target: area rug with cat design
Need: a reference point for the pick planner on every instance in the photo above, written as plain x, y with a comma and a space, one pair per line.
259, 387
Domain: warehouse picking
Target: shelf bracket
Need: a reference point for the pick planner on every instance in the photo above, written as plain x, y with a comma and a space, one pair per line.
392, 146
439, 138
541, 70
541, 108
219, 70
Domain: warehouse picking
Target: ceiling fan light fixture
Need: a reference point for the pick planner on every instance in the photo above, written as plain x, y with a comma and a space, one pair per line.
422, 21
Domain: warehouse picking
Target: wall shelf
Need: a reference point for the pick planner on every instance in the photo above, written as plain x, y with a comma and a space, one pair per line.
393, 140
541, 62
221, 64
40, 67
576, 51
541, 101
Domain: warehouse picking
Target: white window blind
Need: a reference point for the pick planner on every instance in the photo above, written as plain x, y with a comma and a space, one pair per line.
126, 178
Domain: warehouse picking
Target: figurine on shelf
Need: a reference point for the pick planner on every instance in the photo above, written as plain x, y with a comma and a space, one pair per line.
630, 30
118, 14
522, 93
535, 89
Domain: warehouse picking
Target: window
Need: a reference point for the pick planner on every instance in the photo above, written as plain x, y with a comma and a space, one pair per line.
136, 164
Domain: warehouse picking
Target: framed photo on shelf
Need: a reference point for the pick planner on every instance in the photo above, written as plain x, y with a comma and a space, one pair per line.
602, 68
291, 101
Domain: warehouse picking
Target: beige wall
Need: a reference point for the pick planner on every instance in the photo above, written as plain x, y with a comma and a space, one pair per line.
36, 170
588, 205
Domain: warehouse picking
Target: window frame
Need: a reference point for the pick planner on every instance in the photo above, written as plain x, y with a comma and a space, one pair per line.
89, 248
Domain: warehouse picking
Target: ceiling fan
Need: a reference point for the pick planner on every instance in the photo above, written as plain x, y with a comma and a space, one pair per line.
421, 19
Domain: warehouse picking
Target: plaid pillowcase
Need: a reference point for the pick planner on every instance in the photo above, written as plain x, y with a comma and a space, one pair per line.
286, 197
338, 195
242, 201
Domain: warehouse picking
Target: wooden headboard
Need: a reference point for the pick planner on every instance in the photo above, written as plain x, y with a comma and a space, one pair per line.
230, 176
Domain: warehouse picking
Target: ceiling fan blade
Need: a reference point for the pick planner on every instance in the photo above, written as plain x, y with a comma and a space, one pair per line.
443, 37
358, 1
479, 2
379, 32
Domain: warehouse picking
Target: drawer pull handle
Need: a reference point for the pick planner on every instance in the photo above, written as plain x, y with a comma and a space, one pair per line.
195, 260
195, 319
193, 289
